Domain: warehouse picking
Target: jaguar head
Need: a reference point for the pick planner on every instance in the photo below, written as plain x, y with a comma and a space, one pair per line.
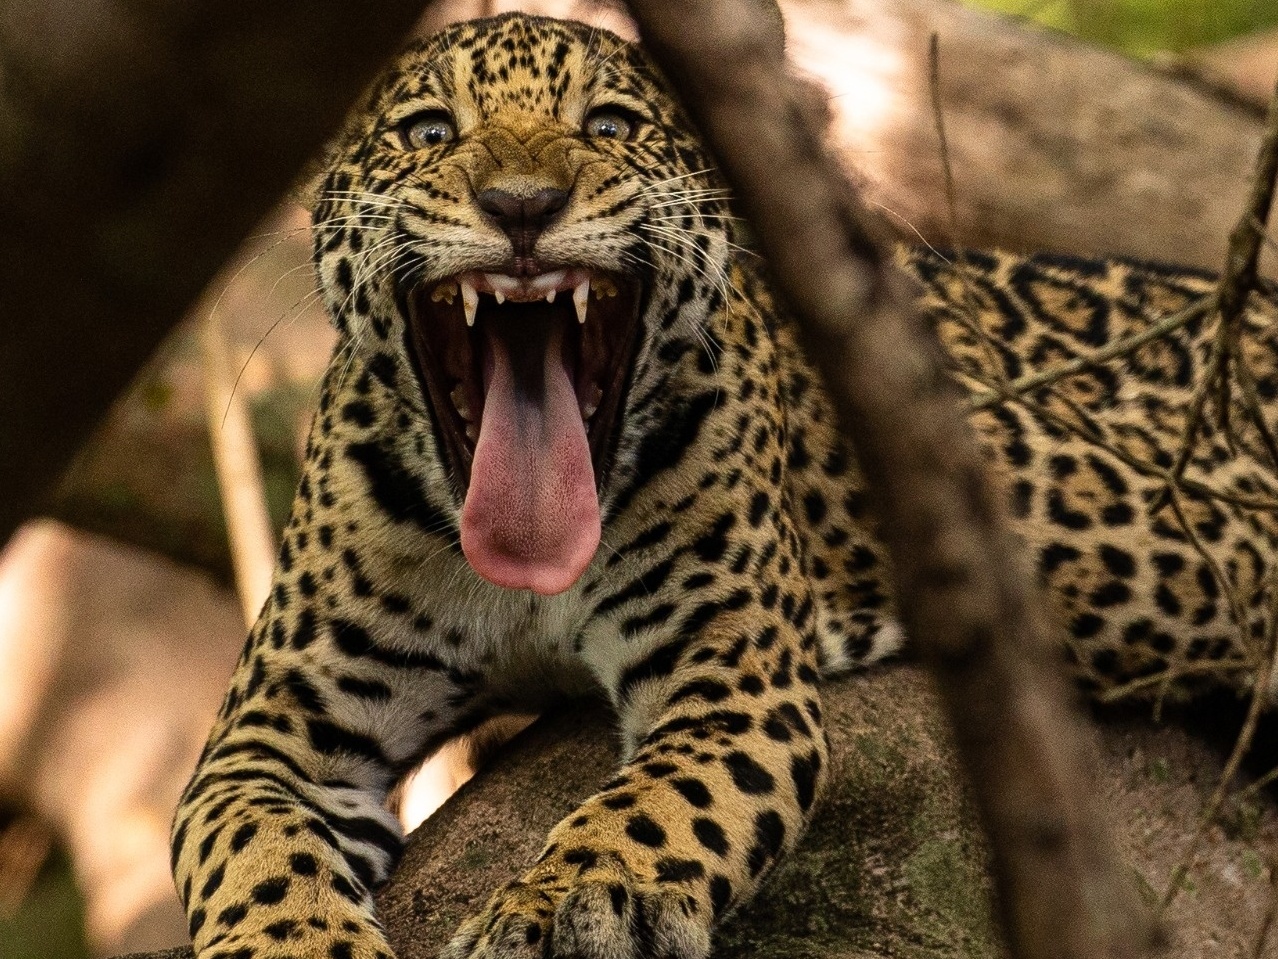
522, 212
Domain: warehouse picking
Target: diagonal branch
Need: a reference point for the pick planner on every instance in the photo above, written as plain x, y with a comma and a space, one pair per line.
138, 144
965, 592
1237, 281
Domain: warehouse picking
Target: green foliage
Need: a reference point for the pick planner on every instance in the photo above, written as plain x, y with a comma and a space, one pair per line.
49, 923
1144, 27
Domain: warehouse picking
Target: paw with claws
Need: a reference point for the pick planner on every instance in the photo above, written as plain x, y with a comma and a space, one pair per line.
601, 913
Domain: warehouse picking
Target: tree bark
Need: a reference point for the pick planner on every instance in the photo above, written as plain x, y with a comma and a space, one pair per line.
138, 144
1055, 144
893, 864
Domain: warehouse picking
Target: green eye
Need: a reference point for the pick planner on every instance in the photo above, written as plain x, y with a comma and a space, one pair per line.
429, 129
609, 123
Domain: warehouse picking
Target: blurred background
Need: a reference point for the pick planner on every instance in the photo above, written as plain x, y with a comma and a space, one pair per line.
123, 610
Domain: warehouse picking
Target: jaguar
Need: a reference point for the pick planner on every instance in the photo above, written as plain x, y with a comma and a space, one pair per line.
569, 445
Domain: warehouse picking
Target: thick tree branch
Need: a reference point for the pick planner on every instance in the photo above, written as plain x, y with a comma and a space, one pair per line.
965, 594
138, 144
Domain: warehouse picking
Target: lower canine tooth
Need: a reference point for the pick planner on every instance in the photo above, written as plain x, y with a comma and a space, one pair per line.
592, 405
458, 396
580, 294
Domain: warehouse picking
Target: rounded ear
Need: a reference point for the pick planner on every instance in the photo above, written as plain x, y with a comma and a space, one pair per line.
306, 187
770, 12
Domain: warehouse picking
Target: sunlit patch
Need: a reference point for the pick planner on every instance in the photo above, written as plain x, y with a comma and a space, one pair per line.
867, 80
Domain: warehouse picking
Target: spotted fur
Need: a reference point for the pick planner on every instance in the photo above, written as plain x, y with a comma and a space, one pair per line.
737, 560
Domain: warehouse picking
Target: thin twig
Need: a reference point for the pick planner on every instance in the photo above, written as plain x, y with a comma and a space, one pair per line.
239, 475
1237, 282
970, 315
1205, 667
938, 118
1255, 788
1236, 606
1240, 274
1142, 466
1259, 695
1118, 348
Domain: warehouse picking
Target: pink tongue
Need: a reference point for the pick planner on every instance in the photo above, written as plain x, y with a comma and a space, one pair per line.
531, 516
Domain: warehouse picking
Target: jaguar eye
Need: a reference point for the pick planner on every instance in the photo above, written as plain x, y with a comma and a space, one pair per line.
429, 129
609, 123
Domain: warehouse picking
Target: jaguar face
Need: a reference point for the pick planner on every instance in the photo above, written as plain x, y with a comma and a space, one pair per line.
522, 212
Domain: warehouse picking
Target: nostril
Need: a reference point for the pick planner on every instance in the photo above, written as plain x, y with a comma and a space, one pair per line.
546, 203
522, 217
522, 212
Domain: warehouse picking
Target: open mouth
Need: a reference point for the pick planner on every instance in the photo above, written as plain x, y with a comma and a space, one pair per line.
526, 377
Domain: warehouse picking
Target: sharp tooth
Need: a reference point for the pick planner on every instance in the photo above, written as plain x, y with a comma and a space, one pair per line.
592, 405
444, 291
472, 432
580, 294
604, 287
550, 296
470, 297
501, 297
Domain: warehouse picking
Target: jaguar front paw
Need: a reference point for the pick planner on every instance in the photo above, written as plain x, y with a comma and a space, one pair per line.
597, 918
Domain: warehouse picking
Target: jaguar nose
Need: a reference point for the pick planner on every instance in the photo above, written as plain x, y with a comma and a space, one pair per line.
522, 217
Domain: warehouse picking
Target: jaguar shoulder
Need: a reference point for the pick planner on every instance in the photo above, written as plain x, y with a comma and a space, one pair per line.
569, 445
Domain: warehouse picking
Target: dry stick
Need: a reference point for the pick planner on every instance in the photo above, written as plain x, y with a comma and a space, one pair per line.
239, 475
1016, 390
971, 314
965, 592
1258, 696
1236, 284
1255, 788
1144, 467
1114, 350
1244, 251
1005, 389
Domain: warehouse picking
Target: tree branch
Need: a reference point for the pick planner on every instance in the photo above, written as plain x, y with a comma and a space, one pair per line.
138, 144
965, 593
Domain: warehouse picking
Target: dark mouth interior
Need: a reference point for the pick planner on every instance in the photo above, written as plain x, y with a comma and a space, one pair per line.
451, 357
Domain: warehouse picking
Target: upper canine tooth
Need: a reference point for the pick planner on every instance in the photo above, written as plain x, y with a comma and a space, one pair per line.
470, 297
580, 294
550, 296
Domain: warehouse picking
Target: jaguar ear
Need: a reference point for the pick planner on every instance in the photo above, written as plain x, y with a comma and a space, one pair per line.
306, 187
770, 14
